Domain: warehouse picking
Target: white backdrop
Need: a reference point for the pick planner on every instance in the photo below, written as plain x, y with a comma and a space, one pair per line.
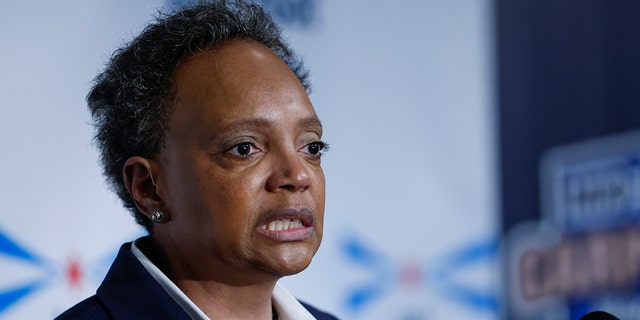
405, 92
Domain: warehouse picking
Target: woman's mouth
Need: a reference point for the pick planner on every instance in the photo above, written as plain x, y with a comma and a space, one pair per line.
288, 225
283, 225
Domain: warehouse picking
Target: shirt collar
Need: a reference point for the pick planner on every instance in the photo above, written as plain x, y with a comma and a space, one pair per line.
286, 305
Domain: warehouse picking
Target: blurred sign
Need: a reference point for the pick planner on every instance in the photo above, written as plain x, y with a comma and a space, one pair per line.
585, 254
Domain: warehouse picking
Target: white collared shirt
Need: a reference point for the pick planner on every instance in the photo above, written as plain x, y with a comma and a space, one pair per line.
286, 305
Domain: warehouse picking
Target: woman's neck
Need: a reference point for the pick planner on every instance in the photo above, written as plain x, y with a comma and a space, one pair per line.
222, 301
219, 296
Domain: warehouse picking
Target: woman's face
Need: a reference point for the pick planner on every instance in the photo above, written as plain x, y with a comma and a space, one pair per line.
239, 174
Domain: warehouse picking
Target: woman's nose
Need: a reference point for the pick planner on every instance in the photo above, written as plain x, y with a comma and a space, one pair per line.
290, 172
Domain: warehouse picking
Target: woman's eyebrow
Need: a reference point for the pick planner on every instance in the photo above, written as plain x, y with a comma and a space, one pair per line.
240, 124
311, 122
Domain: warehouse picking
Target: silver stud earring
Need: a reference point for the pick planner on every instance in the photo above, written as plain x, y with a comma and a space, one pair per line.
158, 216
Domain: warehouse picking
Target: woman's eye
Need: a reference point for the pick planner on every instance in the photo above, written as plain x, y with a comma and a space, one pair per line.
243, 149
315, 148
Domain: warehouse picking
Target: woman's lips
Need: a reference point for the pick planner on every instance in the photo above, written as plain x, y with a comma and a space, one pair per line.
288, 225
283, 225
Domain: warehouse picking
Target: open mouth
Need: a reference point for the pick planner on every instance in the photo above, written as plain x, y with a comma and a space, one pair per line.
288, 225
283, 225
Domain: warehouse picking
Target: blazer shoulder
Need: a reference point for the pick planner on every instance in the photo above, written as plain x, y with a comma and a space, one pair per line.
89, 309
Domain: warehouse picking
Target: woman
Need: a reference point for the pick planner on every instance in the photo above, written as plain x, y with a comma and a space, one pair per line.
208, 136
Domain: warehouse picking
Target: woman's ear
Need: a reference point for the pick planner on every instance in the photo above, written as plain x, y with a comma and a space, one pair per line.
138, 179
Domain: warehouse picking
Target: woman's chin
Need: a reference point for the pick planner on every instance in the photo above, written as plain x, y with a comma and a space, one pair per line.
292, 262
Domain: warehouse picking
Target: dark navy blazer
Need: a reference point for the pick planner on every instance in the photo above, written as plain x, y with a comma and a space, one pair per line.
130, 292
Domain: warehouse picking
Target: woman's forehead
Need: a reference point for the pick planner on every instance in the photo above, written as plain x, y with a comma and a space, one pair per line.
241, 80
